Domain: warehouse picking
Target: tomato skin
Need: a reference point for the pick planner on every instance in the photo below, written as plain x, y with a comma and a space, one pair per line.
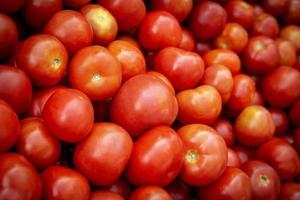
71, 28
224, 129
9, 126
150, 193
121, 187
172, 62
290, 191
281, 87
96, 72
11, 6
233, 159
258, 99
205, 154
142, 94
147, 155
76, 3
163, 78
281, 156
276, 7
280, 119
15, 88
37, 144
202, 47
69, 115
234, 184
103, 194
294, 113
64, 183
18, 178
265, 24
188, 41
292, 34
287, 52
293, 16
107, 149
243, 153
178, 190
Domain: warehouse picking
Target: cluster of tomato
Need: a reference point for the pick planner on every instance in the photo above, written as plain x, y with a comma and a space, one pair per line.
149, 100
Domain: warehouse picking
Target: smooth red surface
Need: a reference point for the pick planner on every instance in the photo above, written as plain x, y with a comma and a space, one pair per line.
150, 193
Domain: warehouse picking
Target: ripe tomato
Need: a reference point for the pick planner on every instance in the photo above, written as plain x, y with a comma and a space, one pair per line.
131, 39
205, 154
64, 183
202, 47
224, 129
159, 150
143, 102
96, 72
121, 187
291, 33
281, 121
178, 190
292, 16
276, 7
11, 6
290, 191
69, 115
107, 150
172, 62
18, 178
187, 41
265, 24
243, 153
233, 159
104, 194
287, 52
164, 79
150, 193
258, 99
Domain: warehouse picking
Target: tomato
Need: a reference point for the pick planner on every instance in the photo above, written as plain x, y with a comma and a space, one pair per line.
205, 154
11, 6
131, 58
207, 20
143, 102
202, 47
8, 36
178, 190
280, 119
103, 194
281, 87
103, 23
96, 72
276, 7
172, 62
292, 16
37, 143
18, 178
234, 184
240, 12
121, 187
287, 52
150, 193
233, 159
243, 153
187, 41
265, 182
71, 28
258, 99
199, 105
164, 79
257, 9
159, 150
290, 191
265, 24
76, 3
157, 27
224, 129
64, 183
180, 9
131, 39
292, 33
15, 88
9, 126
128, 13
69, 115
221, 78
107, 149
224, 57
281, 156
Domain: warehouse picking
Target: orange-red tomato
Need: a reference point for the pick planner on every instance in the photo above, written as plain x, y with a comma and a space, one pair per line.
150, 192
265, 24
292, 33
187, 41
164, 79
287, 52
104, 194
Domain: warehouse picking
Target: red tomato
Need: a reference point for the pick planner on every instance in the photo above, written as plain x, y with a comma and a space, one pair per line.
164, 79
71, 28
224, 129
265, 182
187, 41
265, 24
76, 3
202, 47
243, 153
276, 7
15, 88
131, 39
69, 115
96, 72
178, 190
143, 102
157, 27
258, 99
18, 178
281, 121
131, 58
172, 62
205, 155
107, 149
150, 193
121, 187
200, 105
159, 151
37, 143
64, 183
292, 16
294, 113
281, 156
104, 194
9, 126
287, 52
290, 191
234, 184
11, 6
281, 87
233, 159
292, 33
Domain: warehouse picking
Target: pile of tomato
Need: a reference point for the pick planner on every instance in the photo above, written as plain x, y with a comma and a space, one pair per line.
149, 100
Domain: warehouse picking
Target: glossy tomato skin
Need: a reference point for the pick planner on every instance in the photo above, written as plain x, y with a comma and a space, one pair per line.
147, 156
207, 20
150, 193
205, 154
18, 178
44, 59
234, 184
140, 95
71, 28
163, 78
15, 88
37, 143
107, 150
64, 183
187, 41
291, 33
233, 159
224, 128
265, 24
159, 29
104, 194
11, 6
294, 113
281, 156
280, 119
172, 62
178, 190
281, 87
128, 13
96, 72
287, 52
290, 191
69, 115
9, 126
265, 182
